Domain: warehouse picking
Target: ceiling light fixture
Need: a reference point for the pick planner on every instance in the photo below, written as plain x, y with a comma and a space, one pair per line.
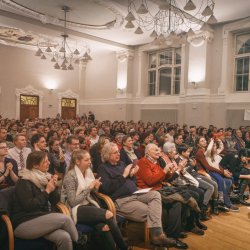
170, 18
64, 57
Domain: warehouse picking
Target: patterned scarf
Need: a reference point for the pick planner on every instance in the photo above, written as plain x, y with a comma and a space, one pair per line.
39, 178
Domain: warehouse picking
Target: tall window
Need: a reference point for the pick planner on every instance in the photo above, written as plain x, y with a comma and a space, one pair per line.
242, 65
164, 72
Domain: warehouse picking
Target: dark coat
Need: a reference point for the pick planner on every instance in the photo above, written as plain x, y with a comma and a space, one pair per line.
30, 202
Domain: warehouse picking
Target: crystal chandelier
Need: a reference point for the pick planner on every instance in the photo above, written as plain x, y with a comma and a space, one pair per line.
170, 18
64, 56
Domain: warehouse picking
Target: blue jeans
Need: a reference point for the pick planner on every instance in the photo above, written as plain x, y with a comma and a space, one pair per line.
224, 185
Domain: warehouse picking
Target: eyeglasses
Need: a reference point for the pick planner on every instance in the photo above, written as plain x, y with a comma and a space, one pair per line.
115, 152
4, 147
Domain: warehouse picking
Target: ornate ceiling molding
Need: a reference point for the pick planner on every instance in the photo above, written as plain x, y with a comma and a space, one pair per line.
19, 38
124, 55
44, 18
199, 38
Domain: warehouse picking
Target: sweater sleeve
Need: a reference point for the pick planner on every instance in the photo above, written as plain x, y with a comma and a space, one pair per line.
221, 147
146, 174
109, 184
70, 187
200, 157
209, 149
54, 197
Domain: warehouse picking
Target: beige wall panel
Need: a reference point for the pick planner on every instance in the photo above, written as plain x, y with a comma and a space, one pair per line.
101, 75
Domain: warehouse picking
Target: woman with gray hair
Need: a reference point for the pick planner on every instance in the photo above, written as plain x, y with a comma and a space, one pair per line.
178, 179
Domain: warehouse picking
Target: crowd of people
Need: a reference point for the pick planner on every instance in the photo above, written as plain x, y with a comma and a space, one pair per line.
164, 174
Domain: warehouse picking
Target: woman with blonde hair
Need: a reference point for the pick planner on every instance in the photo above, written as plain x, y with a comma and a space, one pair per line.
78, 185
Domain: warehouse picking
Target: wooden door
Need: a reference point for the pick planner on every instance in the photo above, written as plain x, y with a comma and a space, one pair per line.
68, 106
29, 107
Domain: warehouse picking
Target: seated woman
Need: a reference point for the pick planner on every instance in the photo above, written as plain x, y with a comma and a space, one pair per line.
34, 194
127, 153
8, 168
244, 175
209, 186
220, 175
95, 152
187, 185
146, 138
56, 157
78, 184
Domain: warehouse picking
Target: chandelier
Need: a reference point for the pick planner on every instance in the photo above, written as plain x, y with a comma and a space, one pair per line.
170, 18
64, 56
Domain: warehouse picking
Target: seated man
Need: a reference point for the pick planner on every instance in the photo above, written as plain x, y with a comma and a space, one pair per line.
119, 183
151, 175
20, 152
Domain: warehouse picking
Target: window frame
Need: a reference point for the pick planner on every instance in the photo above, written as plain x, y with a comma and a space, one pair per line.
237, 56
159, 67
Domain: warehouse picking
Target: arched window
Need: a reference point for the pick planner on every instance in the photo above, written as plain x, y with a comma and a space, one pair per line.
242, 63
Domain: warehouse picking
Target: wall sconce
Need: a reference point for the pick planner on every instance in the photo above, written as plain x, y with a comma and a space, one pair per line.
51, 91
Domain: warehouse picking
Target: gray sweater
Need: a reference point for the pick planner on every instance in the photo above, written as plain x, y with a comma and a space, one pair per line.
68, 194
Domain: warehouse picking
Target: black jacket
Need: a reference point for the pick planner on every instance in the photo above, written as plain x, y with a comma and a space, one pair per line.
30, 202
125, 158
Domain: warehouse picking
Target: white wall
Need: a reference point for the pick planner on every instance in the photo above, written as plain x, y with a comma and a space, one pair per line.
96, 85
20, 68
101, 77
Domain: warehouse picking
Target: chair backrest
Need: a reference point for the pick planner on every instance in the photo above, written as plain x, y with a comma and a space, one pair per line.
6, 199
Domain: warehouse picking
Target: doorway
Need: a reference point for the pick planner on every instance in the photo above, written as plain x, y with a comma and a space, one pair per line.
68, 108
29, 107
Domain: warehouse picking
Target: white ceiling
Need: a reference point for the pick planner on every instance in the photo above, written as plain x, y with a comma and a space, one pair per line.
103, 19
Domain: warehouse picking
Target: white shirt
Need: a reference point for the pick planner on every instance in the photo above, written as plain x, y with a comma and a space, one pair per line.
14, 153
93, 140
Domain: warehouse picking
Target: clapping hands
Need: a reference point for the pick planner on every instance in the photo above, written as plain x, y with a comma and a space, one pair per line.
95, 184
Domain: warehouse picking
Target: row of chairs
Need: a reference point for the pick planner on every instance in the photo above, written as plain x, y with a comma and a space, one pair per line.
10, 242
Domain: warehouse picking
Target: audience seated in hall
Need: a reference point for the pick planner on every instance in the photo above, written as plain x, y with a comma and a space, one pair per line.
213, 170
